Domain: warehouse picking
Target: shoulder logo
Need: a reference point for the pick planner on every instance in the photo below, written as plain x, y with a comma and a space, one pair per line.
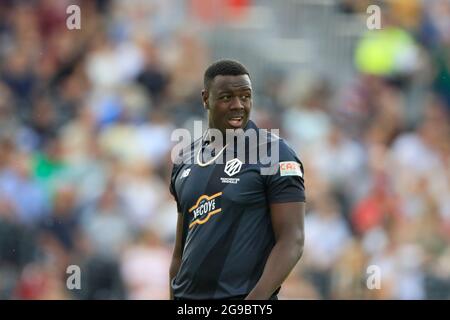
185, 173
290, 168
232, 167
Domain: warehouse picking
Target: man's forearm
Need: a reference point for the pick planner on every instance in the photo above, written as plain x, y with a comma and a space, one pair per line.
281, 261
174, 267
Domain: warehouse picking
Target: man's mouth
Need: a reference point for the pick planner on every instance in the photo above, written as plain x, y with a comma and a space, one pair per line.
236, 121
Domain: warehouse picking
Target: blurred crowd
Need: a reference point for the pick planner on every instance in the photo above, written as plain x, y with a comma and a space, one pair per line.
86, 118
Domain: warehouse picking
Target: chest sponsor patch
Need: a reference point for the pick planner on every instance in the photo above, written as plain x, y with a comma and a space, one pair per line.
290, 168
205, 207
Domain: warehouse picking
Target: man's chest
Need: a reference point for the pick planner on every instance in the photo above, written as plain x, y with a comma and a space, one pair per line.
201, 190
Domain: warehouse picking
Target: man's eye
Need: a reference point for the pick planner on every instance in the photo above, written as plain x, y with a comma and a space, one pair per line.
245, 97
226, 98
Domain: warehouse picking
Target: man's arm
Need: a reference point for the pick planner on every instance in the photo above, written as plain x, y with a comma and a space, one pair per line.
177, 253
287, 221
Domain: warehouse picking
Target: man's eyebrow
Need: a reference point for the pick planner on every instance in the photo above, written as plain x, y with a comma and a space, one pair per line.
223, 91
245, 86
236, 89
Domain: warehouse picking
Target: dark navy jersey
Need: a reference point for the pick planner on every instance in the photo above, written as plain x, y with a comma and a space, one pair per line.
227, 233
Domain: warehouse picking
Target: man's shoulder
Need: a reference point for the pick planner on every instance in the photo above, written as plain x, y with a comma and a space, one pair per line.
186, 154
286, 151
276, 144
184, 157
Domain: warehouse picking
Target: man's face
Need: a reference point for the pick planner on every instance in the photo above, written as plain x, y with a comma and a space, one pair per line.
228, 101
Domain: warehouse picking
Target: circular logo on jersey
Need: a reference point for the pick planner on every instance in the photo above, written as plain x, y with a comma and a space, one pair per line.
232, 167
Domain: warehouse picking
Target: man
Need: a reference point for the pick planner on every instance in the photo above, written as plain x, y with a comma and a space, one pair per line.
239, 232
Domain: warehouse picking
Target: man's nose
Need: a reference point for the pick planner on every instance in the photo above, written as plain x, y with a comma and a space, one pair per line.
236, 104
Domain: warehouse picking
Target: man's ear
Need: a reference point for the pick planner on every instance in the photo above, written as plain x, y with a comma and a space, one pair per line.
205, 96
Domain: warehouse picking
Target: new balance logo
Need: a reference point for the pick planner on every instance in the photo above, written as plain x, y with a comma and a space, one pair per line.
185, 173
232, 167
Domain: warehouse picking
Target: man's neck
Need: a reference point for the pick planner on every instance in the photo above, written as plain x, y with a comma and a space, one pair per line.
213, 132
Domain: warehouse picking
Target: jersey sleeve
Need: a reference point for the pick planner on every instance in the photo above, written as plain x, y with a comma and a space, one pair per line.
286, 184
173, 176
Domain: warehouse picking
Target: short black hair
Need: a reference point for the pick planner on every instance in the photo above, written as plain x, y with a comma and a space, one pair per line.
224, 67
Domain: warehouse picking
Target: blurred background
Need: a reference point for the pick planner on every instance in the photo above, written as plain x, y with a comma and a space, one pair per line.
86, 117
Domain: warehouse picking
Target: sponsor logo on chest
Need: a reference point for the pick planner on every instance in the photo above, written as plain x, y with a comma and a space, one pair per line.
205, 207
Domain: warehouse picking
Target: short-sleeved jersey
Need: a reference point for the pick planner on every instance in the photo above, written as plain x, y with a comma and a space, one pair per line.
228, 234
